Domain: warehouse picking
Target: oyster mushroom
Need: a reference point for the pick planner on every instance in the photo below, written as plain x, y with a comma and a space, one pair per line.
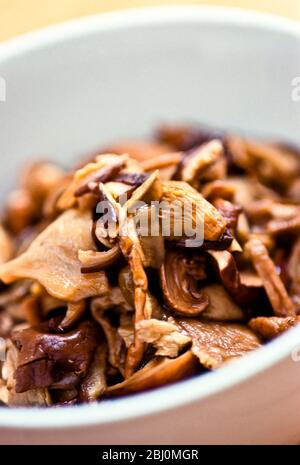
218, 343
157, 372
265, 267
93, 261
163, 335
197, 162
179, 287
181, 194
242, 286
273, 326
52, 260
103, 170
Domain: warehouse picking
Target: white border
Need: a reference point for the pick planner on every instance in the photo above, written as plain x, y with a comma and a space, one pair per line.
198, 387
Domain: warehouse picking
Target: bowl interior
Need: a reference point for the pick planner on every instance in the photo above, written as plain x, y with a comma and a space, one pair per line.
76, 87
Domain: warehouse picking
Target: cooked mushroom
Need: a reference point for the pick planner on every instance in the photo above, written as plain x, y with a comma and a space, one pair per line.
52, 260
94, 384
217, 343
46, 358
202, 212
93, 261
281, 302
164, 335
157, 372
180, 289
242, 286
270, 327
196, 163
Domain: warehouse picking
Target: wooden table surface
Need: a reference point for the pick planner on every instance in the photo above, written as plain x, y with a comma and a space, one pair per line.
19, 16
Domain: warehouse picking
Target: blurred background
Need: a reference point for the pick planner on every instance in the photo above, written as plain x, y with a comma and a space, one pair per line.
20, 16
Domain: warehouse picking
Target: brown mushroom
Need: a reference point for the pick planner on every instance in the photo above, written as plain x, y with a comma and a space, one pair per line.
218, 343
242, 286
273, 326
52, 260
158, 372
179, 287
163, 335
265, 267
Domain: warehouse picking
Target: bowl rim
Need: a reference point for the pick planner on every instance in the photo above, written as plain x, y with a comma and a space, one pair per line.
204, 386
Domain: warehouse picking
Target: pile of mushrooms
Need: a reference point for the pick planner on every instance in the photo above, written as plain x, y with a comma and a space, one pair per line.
91, 308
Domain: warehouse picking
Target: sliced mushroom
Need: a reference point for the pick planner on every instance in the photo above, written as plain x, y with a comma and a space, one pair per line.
180, 289
93, 261
75, 311
115, 344
196, 163
218, 343
190, 201
159, 372
47, 359
52, 260
40, 179
269, 163
242, 286
163, 335
221, 306
94, 384
31, 398
265, 267
271, 327
103, 170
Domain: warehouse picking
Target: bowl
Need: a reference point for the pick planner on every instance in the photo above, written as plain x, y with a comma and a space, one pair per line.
71, 88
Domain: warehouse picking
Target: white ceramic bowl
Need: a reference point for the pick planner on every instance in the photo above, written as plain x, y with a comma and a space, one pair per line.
73, 87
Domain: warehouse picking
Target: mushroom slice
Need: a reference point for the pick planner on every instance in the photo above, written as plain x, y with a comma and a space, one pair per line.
229, 211
221, 307
46, 358
266, 269
190, 201
52, 260
94, 384
273, 326
242, 286
115, 343
218, 189
40, 179
158, 372
218, 343
93, 261
103, 170
75, 311
179, 287
142, 302
163, 335
196, 162
37, 397
269, 163
150, 190
126, 328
